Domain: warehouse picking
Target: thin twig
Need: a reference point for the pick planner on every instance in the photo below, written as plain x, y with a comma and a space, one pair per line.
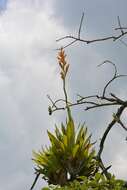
100, 105
120, 27
104, 171
35, 181
115, 76
114, 38
86, 97
68, 44
80, 26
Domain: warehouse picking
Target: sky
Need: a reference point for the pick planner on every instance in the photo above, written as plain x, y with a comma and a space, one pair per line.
3, 4
29, 71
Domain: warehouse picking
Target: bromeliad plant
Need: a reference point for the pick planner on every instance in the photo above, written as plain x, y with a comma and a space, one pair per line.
71, 153
68, 157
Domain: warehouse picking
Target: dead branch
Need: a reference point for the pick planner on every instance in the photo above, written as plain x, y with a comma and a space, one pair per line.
115, 76
78, 37
118, 114
35, 180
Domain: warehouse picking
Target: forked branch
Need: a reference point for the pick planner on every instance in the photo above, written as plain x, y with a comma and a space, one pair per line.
78, 38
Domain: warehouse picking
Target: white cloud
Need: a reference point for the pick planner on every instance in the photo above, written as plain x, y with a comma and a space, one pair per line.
27, 73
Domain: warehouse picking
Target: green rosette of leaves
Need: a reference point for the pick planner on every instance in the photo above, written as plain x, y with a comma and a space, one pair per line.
69, 156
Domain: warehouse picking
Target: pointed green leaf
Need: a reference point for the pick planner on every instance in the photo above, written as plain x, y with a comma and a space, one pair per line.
63, 129
79, 136
53, 139
58, 134
75, 150
70, 133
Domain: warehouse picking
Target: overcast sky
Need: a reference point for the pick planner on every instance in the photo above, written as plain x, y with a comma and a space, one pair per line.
29, 71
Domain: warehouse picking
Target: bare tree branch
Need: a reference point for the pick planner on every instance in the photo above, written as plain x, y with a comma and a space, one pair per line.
101, 39
118, 114
35, 181
119, 28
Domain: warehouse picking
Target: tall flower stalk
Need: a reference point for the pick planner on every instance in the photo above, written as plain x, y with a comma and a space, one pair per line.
70, 154
64, 66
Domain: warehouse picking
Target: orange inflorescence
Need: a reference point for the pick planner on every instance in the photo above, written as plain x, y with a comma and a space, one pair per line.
63, 63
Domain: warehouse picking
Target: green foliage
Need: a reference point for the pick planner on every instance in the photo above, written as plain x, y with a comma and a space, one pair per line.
69, 156
99, 182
